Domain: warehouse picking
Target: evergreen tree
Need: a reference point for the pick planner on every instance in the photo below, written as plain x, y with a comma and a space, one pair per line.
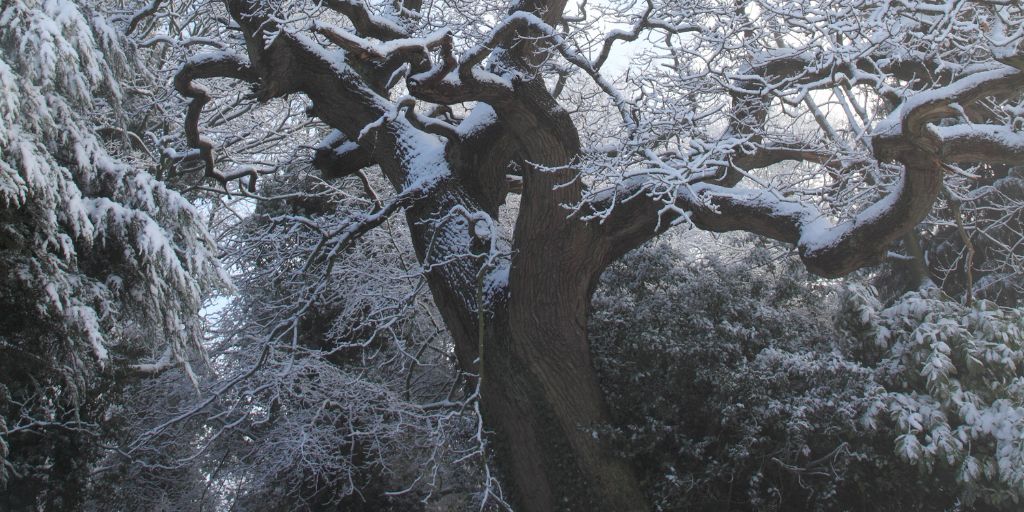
103, 269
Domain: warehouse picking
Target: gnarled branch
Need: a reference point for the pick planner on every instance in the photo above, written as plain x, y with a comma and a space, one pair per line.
365, 22
337, 157
210, 65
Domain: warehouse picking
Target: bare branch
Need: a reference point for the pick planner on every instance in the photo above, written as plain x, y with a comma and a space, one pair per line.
644, 23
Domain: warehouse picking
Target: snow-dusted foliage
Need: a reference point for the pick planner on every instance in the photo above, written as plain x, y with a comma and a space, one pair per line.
951, 383
726, 384
101, 265
731, 386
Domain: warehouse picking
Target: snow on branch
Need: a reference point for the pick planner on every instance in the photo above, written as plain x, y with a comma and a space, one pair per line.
366, 22
455, 81
337, 157
415, 51
210, 65
645, 22
828, 249
347, 234
142, 14
977, 143
909, 123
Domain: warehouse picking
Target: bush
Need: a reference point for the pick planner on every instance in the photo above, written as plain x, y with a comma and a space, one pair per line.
749, 386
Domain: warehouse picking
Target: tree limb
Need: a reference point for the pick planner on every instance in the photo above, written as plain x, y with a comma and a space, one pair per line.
365, 22
210, 65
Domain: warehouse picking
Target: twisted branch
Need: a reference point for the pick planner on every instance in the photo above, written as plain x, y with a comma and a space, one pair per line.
365, 22
211, 65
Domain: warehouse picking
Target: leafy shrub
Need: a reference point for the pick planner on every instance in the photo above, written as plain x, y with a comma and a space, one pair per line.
748, 386
952, 387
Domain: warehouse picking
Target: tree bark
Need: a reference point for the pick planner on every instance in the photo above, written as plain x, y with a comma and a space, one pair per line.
539, 392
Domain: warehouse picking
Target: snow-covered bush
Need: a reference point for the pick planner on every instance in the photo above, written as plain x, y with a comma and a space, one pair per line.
731, 385
724, 382
951, 387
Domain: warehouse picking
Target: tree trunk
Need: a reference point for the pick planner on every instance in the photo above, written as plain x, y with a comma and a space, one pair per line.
540, 390
540, 393
545, 396
541, 398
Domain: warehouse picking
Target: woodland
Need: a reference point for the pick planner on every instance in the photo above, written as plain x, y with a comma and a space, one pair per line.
497, 255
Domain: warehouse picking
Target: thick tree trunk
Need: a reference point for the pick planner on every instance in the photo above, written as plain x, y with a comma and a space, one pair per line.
540, 394
541, 398
546, 398
540, 390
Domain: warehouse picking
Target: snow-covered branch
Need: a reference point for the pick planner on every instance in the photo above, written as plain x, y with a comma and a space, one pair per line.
210, 65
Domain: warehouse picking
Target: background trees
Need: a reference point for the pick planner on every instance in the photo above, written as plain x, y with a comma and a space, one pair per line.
527, 156
334, 383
